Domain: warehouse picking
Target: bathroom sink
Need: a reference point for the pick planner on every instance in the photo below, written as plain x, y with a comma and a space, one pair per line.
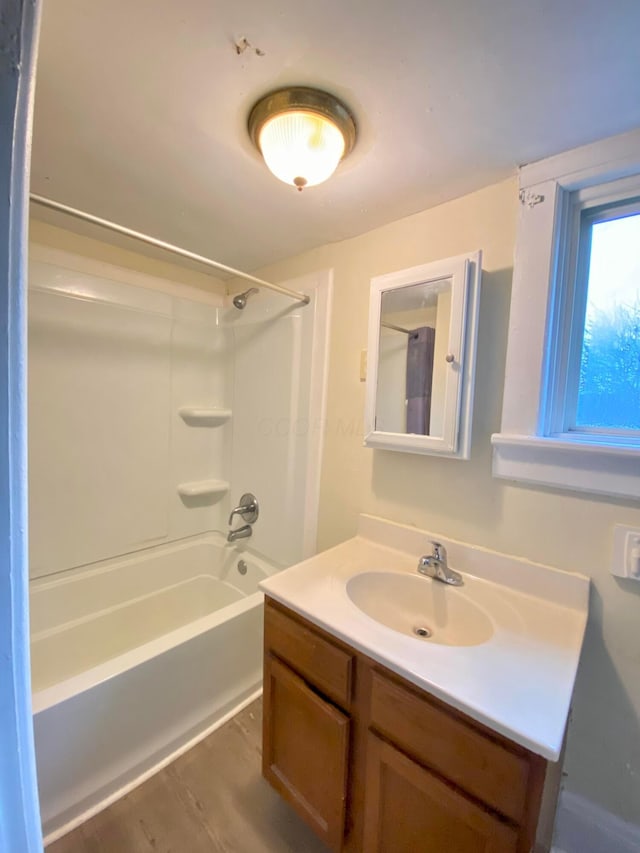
428, 610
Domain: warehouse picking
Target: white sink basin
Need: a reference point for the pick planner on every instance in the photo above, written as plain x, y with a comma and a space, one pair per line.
423, 608
504, 645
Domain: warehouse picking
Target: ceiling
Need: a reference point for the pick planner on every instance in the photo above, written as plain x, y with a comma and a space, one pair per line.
141, 107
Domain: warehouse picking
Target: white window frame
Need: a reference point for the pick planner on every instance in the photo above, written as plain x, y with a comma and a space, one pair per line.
532, 445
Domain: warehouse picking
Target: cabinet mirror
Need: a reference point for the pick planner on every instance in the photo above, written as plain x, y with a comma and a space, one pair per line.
421, 357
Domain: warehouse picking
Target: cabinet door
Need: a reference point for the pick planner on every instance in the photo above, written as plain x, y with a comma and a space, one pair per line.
409, 810
305, 751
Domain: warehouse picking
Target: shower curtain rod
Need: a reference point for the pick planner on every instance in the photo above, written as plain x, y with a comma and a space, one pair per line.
167, 247
398, 328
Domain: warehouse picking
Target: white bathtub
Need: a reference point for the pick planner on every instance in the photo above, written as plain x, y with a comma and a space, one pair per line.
134, 660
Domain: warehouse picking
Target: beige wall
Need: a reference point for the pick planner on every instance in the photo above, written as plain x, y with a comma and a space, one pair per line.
455, 498
461, 499
61, 238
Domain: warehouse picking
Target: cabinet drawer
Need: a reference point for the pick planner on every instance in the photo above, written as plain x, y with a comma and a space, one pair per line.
317, 660
435, 737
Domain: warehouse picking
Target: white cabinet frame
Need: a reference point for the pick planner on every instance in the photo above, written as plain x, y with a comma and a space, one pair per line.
464, 271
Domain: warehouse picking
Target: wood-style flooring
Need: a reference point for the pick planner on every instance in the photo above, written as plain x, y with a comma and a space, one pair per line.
210, 800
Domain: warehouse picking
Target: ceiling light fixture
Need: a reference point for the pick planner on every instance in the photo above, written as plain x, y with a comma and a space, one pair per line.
302, 134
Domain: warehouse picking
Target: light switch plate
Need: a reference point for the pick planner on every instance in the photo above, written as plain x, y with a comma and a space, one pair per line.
363, 365
626, 552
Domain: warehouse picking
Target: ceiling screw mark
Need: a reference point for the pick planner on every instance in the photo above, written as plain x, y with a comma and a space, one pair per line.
243, 44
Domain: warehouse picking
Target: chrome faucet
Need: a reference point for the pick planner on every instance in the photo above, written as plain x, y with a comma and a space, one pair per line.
248, 508
243, 532
435, 566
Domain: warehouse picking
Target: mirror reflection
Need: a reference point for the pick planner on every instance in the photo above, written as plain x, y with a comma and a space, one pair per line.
412, 358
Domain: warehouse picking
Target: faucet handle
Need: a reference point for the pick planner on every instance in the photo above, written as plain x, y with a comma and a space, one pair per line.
439, 551
248, 509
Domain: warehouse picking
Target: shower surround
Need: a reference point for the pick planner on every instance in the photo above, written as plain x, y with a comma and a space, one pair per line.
152, 408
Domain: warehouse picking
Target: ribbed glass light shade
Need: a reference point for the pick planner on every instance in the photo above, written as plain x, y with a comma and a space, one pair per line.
301, 148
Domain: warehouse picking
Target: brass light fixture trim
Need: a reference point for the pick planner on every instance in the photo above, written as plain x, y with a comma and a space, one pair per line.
303, 99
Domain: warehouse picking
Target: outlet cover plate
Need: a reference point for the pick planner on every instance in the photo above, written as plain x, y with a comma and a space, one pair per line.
626, 541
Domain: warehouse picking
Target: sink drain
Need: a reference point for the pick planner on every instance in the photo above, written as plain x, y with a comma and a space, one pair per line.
421, 631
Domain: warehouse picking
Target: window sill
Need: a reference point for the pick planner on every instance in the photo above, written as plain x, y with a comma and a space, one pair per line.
585, 465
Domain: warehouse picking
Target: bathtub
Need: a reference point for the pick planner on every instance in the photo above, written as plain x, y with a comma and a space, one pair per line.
134, 660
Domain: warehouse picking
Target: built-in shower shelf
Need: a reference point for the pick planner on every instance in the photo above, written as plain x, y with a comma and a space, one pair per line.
203, 487
203, 416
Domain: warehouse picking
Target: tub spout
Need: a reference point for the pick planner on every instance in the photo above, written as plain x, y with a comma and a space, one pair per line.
243, 532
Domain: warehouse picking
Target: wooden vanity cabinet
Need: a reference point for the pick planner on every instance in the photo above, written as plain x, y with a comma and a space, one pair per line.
376, 765
408, 808
306, 732
306, 750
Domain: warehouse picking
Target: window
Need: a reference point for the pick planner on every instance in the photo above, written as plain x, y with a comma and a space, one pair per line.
607, 363
571, 413
594, 364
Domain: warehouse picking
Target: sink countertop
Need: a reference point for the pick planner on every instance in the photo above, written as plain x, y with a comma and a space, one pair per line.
518, 683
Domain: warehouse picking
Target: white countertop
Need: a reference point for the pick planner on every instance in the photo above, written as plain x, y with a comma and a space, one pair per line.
519, 682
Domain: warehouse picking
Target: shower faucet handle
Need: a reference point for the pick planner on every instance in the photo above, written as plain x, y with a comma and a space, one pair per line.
248, 508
